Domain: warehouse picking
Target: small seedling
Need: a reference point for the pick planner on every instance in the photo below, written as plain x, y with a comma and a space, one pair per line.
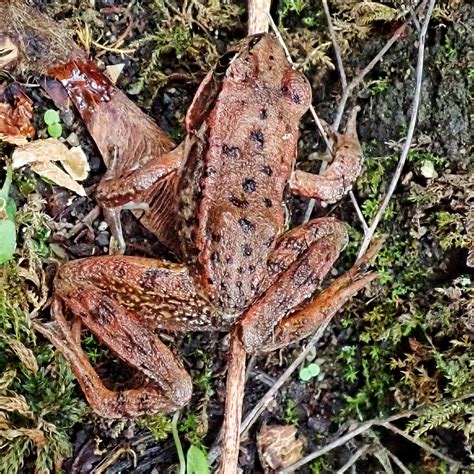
309, 372
7, 221
52, 120
196, 462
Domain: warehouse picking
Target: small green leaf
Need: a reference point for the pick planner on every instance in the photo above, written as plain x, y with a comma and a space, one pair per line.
305, 375
314, 369
51, 116
55, 130
8, 241
309, 372
196, 462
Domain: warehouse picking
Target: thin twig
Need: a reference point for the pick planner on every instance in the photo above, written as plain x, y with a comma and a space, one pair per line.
347, 89
335, 46
411, 129
359, 78
361, 217
233, 405
353, 459
258, 11
397, 461
268, 397
419, 443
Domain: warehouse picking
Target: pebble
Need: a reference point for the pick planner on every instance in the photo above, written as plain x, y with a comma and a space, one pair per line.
73, 139
102, 226
102, 239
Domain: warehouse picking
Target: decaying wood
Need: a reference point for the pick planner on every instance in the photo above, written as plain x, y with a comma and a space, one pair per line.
258, 11
233, 405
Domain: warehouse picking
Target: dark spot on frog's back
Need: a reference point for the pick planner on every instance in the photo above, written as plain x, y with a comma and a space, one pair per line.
263, 114
267, 170
268, 202
105, 311
247, 248
249, 185
231, 151
246, 225
257, 137
148, 280
240, 203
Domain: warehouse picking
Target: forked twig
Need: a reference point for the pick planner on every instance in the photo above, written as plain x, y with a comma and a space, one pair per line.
347, 91
364, 427
411, 130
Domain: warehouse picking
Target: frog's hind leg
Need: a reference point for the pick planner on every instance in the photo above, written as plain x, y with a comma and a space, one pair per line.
298, 265
170, 387
121, 300
304, 321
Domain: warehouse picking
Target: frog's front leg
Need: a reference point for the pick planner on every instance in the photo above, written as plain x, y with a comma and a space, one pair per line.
141, 158
298, 265
150, 187
338, 178
121, 300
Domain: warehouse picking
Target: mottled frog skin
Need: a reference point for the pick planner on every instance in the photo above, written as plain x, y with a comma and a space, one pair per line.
217, 200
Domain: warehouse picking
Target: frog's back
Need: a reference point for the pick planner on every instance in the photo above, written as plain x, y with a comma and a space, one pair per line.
251, 144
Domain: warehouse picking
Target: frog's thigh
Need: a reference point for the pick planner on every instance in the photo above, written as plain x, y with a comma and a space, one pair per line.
120, 299
159, 294
170, 387
299, 263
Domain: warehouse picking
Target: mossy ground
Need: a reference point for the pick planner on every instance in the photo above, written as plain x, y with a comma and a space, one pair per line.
404, 343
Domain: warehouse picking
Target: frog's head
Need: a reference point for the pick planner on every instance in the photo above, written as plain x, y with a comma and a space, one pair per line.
260, 62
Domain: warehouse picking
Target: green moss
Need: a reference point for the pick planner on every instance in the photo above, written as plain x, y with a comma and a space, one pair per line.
38, 402
159, 425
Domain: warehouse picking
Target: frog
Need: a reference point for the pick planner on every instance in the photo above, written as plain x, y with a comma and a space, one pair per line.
219, 200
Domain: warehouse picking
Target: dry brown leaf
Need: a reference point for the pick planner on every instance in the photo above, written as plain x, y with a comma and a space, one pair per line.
58, 176
41, 154
114, 71
278, 446
16, 110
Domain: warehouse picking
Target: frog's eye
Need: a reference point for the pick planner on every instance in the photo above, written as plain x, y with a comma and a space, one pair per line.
296, 89
225, 61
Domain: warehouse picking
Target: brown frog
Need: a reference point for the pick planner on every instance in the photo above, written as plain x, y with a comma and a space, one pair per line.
218, 201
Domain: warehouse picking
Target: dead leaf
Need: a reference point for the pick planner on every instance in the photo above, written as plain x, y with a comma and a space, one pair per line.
41, 154
114, 71
16, 110
278, 446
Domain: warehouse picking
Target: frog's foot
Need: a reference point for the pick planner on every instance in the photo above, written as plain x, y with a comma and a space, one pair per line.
121, 300
338, 178
148, 188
